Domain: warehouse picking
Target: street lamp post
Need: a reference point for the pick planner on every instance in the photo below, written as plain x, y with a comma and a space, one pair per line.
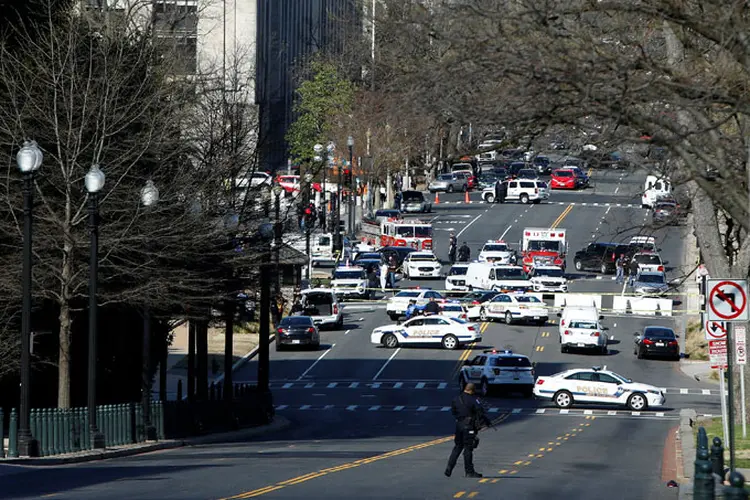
277, 190
29, 159
352, 194
308, 188
149, 199
330, 149
94, 184
318, 148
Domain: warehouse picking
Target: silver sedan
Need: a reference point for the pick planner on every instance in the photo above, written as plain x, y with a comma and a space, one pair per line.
448, 183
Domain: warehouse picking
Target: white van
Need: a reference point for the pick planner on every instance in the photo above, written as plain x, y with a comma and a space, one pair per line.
580, 328
492, 276
323, 307
654, 189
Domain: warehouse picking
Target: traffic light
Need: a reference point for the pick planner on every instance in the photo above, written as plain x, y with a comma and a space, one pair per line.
347, 176
310, 216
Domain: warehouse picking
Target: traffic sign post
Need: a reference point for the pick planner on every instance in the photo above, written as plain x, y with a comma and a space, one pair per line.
740, 339
727, 300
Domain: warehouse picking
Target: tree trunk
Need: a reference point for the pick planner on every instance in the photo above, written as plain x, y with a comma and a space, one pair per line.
63, 356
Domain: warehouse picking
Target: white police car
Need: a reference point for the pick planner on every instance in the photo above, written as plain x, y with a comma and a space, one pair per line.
495, 369
350, 282
512, 308
450, 333
453, 309
597, 385
497, 251
548, 279
397, 305
421, 265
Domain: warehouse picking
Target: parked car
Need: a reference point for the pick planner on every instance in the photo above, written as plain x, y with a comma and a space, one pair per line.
563, 178
322, 305
650, 284
448, 183
487, 180
600, 257
656, 341
667, 212
414, 202
297, 331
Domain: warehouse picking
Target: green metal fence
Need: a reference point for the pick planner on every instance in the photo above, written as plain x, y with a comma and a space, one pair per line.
60, 431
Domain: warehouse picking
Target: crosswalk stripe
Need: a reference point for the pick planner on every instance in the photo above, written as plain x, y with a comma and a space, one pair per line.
398, 385
683, 391
282, 407
517, 410
375, 408
353, 385
706, 392
332, 385
398, 408
442, 385
351, 407
420, 385
422, 408
287, 386
445, 408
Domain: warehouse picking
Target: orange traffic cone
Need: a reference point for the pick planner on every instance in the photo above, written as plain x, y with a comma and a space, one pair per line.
466, 197
437, 198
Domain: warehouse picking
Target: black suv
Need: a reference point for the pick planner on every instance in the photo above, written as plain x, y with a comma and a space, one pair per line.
601, 257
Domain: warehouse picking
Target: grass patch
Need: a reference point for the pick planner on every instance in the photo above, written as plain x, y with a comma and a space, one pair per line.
742, 446
696, 346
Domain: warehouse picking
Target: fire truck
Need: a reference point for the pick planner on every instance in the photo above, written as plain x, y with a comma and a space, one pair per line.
406, 233
543, 247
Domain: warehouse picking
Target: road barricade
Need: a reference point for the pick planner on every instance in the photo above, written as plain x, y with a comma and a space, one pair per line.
646, 306
577, 299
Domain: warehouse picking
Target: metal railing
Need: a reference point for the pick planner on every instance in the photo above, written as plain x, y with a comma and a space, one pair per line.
61, 431
710, 472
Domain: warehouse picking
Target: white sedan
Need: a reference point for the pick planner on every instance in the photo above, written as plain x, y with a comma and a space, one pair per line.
597, 386
448, 332
512, 308
422, 265
397, 305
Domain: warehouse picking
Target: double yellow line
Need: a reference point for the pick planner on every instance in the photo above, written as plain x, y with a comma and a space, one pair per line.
338, 468
562, 216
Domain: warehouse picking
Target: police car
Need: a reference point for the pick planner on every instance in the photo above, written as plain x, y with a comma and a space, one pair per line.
350, 282
397, 305
453, 309
450, 333
421, 265
597, 385
499, 370
497, 251
512, 308
548, 279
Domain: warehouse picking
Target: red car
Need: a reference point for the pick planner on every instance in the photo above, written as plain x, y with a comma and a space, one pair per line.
563, 179
291, 183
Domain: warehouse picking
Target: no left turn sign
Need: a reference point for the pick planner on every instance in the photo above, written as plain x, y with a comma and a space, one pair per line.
727, 300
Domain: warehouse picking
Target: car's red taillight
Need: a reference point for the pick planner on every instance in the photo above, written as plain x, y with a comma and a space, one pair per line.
562, 322
540, 381
311, 330
567, 332
335, 309
648, 341
472, 329
660, 269
595, 334
280, 330
673, 342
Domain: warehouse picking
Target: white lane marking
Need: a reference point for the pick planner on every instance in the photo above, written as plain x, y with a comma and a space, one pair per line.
332, 385
660, 414
422, 408
287, 385
635, 413
445, 408
282, 407
683, 391
376, 385
420, 385
353, 385
386, 364
361, 319
706, 392
564, 412
398, 408
517, 410
540, 411
611, 413
624, 285
442, 385
315, 363
375, 408
351, 407
347, 332
469, 224
398, 385
310, 385
505, 232
304, 407
588, 412
494, 410
617, 189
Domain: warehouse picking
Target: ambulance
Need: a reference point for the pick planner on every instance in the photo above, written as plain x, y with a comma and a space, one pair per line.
411, 233
543, 247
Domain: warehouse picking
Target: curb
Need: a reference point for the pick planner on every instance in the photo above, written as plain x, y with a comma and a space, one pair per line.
687, 447
279, 423
244, 359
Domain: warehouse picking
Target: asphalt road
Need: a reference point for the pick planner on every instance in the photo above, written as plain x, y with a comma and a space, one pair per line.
369, 422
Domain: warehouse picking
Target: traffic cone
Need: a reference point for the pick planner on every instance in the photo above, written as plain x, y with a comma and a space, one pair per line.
437, 198
466, 197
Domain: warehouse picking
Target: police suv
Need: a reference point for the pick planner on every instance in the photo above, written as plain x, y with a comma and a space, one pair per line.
497, 251
597, 385
499, 370
350, 282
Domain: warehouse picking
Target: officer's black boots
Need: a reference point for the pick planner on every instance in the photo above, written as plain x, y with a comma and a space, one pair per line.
447, 473
474, 474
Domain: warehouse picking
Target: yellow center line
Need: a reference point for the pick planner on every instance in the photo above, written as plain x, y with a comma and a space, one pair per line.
562, 216
331, 470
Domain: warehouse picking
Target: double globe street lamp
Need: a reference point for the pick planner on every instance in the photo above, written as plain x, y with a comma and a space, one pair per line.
149, 199
94, 185
29, 159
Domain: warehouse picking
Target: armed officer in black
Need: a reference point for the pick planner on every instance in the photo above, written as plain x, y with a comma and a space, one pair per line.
469, 415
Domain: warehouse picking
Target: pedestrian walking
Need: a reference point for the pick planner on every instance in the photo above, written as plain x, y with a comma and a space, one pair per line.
470, 416
452, 248
392, 266
383, 276
464, 253
620, 268
633, 267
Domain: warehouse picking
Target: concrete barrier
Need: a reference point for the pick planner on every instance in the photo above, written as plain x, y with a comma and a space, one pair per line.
643, 306
577, 299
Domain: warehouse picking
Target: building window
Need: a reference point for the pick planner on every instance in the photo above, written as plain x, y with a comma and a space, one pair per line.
175, 18
186, 56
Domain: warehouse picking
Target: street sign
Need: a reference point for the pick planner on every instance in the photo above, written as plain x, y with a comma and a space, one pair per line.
717, 353
715, 330
739, 332
727, 300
